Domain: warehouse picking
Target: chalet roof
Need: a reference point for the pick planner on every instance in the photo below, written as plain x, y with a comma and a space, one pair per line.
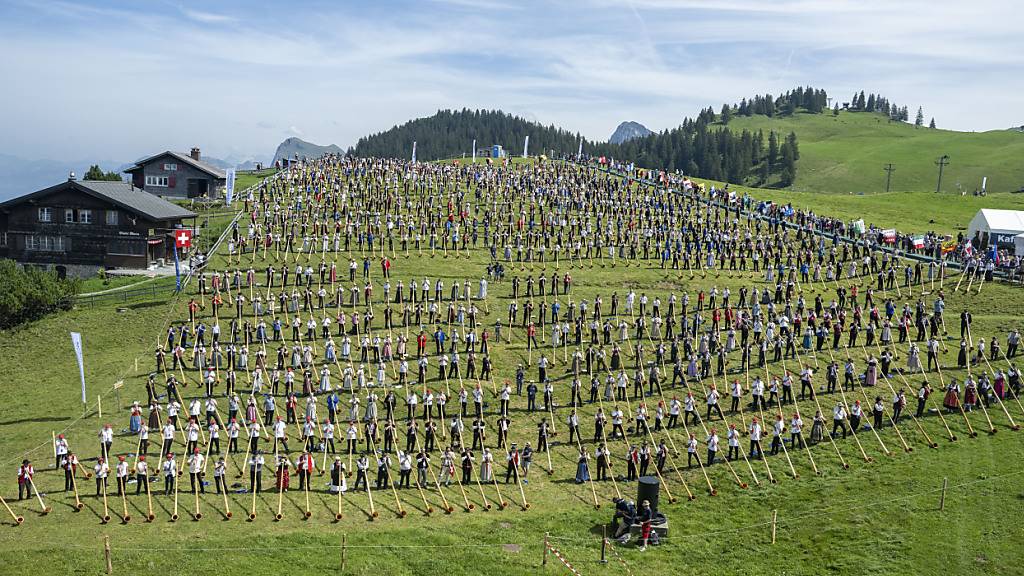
182, 157
121, 194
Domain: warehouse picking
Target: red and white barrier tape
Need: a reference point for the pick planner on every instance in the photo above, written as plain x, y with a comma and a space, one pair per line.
563, 560
611, 547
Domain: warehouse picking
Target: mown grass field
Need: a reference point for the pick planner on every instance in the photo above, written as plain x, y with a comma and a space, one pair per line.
880, 517
846, 154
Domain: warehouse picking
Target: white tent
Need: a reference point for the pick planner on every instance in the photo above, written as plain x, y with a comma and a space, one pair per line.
999, 226
1018, 244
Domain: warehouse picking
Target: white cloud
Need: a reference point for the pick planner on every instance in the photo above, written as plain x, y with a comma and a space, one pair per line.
206, 17
184, 76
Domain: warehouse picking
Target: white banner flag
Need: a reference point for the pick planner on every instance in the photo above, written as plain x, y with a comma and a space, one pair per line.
229, 186
526, 146
579, 153
474, 151
414, 152
76, 341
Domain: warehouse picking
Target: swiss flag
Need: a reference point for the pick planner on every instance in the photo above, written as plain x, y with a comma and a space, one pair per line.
183, 238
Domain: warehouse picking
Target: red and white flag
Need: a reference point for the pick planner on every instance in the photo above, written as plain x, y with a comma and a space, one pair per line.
183, 238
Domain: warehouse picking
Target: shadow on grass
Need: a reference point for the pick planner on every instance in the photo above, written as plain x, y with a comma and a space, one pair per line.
44, 419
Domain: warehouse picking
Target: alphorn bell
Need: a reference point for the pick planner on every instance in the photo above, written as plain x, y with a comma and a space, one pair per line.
17, 519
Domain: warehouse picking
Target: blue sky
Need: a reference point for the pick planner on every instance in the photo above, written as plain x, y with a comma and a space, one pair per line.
122, 79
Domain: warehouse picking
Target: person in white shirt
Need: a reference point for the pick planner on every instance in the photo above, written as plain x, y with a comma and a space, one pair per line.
280, 434
141, 475
195, 470
733, 438
170, 470
691, 451
755, 439
102, 471
712, 443
219, 475
796, 425
838, 419
121, 475
60, 449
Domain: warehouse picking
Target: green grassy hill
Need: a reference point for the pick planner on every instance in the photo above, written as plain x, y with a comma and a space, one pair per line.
847, 153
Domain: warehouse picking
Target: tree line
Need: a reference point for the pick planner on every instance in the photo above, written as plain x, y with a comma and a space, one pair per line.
703, 146
450, 134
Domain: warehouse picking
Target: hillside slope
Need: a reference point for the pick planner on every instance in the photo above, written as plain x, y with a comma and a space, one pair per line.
450, 134
847, 154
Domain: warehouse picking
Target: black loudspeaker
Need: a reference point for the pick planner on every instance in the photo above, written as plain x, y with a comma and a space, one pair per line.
647, 488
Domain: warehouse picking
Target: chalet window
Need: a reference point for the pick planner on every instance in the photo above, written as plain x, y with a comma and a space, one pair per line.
85, 216
170, 167
69, 216
46, 214
36, 243
159, 181
111, 217
127, 247
3, 238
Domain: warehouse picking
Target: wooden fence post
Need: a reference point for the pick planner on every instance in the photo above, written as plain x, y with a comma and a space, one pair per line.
106, 553
775, 518
942, 498
544, 560
344, 550
604, 543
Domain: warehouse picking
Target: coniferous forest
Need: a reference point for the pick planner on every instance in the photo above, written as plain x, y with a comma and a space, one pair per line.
703, 147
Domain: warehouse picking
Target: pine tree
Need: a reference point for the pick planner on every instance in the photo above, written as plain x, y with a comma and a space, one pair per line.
932, 123
96, 173
919, 120
788, 172
726, 113
791, 142
861, 103
871, 103
773, 149
835, 110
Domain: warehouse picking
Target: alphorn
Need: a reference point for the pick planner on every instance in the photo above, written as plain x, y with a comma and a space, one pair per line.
17, 519
44, 509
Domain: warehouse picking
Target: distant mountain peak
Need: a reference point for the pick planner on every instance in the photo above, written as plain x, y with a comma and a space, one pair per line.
627, 131
292, 146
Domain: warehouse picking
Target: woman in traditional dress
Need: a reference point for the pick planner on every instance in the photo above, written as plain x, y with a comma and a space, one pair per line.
913, 359
817, 428
135, 420
583, 467
970, 394
871, 373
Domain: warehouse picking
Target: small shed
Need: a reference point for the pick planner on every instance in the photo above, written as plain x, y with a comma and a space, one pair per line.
1000, 227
